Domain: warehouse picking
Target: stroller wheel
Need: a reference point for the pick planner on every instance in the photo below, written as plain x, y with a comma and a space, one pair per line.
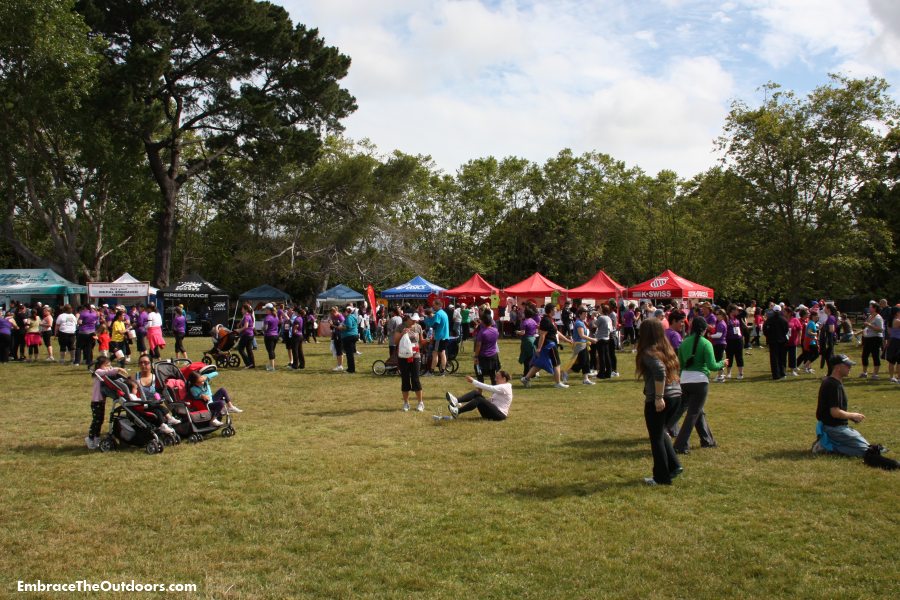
170, 439
108, 444
207, 359
234, 361
452, 366
379, 368
153, 447
228, 431
195, 437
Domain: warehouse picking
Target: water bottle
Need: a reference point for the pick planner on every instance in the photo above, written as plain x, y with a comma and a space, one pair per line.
478, 369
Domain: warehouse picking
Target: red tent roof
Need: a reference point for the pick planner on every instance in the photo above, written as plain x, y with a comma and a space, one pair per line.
475, 286
668, 285
600, 285
536, 285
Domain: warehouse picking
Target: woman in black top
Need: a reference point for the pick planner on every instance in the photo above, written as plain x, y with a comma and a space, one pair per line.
657, 363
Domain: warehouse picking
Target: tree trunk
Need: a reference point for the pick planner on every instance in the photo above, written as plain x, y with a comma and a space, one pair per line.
165, 236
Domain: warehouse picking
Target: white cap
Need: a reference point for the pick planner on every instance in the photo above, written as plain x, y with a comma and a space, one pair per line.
106, 306
268, 306
415, 317
777, 308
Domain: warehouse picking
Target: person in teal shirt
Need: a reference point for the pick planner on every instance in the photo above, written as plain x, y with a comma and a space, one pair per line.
697, 360
349, 336
441, 327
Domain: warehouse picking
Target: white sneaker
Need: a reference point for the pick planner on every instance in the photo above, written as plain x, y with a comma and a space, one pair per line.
592, 373
451, 399
565, 377
358, 353
588, 382
406, 407
863, 375
91, 443
894, 380
235, 409
720, 379
874, 376
740, 377
561, 385
454, 410
525, 381
166, 429
172, 420
216, 423
420, 407
615, 373
338, 368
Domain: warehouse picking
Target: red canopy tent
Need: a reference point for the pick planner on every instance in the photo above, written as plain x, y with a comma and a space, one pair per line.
668, 285
535, 286
600, 285
475, 286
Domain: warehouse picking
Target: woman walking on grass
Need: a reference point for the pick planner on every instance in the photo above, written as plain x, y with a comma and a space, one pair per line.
245, 345
696, 357
656, 362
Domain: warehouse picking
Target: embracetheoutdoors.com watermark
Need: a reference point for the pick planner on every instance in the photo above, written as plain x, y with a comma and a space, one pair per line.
103, 586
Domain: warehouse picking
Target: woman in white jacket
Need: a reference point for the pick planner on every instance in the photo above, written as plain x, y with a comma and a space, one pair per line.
495, 408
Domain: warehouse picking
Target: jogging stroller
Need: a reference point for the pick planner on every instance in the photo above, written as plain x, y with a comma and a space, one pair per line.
196, 418
130, 421
220, 353
452, 352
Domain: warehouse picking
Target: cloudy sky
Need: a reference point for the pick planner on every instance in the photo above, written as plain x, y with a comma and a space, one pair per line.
648, 82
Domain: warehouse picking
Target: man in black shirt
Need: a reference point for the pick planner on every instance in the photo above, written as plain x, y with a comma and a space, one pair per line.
831, 411
776, 331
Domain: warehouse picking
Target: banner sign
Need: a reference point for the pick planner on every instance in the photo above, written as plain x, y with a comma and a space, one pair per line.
111, 289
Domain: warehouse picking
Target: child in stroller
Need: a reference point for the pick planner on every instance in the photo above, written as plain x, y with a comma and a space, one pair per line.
134, 419
197, 417
223, 341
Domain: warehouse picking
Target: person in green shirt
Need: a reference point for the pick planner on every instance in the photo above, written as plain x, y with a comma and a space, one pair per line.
697, 360
466, 318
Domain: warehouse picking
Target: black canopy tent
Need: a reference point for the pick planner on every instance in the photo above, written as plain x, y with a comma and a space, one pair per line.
205, 304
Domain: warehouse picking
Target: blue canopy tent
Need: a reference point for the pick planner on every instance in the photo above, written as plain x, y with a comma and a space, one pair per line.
30, 285
339, 294
416, 288
265, 293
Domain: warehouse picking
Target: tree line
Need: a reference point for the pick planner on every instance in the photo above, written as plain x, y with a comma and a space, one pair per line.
168, 137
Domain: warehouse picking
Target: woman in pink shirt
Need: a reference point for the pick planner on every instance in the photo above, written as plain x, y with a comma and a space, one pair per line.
795, 330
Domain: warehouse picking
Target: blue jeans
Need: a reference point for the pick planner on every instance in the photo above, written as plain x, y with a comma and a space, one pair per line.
846, 440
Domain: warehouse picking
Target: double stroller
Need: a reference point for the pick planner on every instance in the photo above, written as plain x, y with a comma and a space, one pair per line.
220, 353
132, 421
196, 418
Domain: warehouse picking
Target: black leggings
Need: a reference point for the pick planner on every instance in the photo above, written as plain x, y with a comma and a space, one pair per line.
734, 351
488, 365
245, 349
84, 348
271, 341
179, 343
349, 347
809, 355
98, 412
298, 361
605, 350
5, 347
474, 400
871, 346
409, 375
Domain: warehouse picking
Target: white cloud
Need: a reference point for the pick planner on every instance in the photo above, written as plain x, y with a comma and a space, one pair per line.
649, 85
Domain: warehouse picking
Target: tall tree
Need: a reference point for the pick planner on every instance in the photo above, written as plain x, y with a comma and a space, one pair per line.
201, 79
805, 160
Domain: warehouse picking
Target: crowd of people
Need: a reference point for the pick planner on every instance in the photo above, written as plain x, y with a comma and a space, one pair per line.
681, 348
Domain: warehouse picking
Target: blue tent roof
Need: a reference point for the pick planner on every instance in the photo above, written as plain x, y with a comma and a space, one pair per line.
265, 292
27, 282
340, 292
417, 287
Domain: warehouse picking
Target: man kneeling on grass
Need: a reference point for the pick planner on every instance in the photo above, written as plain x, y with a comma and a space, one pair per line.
495, 409
834, 433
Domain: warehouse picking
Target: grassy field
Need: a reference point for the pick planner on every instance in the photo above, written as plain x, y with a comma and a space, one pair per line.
328, 490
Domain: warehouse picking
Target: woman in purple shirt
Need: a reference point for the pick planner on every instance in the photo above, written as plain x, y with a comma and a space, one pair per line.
271, 325
140, 327
245, 345
528, 333
487, 356
719, 339
179, 328
84, 342
7, 324
628, 325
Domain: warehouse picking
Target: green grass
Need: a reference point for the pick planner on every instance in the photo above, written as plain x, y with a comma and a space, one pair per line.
328, 490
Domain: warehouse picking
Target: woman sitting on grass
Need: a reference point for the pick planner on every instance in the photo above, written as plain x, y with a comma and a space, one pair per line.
494, 409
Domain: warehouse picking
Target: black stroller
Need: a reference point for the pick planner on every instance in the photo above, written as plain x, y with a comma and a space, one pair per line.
220, 353
130, 421
452, 352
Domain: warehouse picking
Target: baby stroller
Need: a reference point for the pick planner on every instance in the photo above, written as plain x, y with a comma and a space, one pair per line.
196, 418
130, 421
386, 367
452, 352
220, 353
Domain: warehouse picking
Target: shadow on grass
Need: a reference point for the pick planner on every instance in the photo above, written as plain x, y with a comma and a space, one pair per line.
348, 412
610, 448
37, 449
794, 454
569, 490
